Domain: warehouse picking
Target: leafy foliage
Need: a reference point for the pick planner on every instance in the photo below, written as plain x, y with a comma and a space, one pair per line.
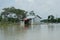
50, 18
19, 12
14, 10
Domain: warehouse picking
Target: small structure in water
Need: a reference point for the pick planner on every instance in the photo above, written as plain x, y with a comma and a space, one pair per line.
32, 20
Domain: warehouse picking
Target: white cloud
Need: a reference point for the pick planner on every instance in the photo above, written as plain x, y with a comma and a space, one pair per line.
17, 0
30, 1
44, 7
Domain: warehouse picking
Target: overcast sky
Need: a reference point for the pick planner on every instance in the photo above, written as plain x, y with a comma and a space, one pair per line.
41, 7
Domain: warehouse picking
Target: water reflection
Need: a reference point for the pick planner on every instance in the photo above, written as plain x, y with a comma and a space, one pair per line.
30, 32
12, 32
50, 27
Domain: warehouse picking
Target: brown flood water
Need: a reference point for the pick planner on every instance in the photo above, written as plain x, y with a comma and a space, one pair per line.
33, 32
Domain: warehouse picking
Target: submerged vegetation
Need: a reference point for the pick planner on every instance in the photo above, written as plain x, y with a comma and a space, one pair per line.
51, 19
13, 15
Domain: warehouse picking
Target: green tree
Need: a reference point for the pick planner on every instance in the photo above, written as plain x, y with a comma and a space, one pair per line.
50, 18
19, 12
14, 10
0, 18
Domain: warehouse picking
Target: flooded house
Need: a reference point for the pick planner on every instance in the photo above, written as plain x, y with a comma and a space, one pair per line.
32, 20
28, 20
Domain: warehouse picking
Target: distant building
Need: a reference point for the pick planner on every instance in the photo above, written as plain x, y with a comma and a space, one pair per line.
32, 19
